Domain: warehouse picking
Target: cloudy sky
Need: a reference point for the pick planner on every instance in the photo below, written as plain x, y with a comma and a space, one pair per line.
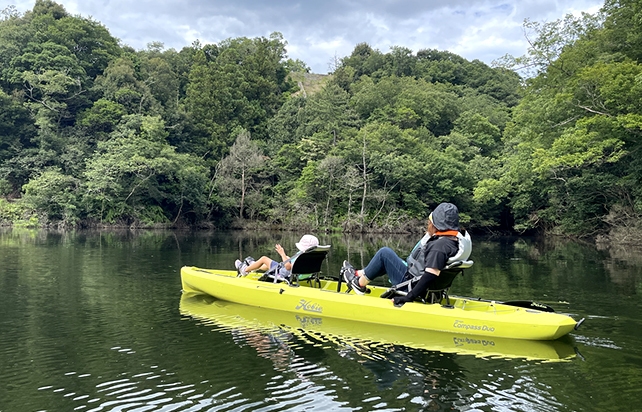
317, 32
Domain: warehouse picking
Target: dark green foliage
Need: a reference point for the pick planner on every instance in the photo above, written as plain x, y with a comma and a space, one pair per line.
136, 177
16, 134
241, 84
572, 152
92, 132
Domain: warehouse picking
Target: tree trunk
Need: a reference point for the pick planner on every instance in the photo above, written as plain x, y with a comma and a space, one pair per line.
242, 194
365, 185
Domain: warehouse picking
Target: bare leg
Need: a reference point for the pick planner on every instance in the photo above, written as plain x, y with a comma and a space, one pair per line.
263, 263
363, 281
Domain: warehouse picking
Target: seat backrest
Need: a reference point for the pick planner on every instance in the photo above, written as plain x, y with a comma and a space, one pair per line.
444, 280
465, 247
460, 260
309, 261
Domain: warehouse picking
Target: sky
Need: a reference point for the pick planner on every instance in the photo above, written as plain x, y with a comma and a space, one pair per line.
321, 32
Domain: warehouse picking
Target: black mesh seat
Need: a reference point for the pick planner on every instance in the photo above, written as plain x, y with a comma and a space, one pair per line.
306, 265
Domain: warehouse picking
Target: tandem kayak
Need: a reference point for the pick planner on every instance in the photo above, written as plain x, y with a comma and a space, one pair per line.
329, 299
231, 317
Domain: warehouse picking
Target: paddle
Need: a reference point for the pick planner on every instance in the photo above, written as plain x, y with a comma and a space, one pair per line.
529, 305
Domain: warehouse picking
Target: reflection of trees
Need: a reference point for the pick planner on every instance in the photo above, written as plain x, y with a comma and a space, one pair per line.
623, 266
103, 304
547, 269
505, 268
429, 380
585, 263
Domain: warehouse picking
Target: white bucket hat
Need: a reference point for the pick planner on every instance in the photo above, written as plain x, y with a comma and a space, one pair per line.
306, 242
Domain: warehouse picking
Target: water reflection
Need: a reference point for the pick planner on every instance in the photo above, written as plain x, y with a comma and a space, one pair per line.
324, 371
432, 376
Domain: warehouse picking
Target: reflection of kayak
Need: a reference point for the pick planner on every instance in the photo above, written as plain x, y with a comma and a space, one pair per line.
464, 315
232, 316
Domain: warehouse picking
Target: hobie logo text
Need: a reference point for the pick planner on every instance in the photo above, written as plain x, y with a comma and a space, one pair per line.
306, 321
309, 306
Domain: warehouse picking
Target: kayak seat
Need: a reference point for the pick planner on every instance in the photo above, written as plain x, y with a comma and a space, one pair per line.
306, 266
438, 288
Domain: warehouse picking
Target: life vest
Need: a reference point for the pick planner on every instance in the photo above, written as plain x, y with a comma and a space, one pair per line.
415, 261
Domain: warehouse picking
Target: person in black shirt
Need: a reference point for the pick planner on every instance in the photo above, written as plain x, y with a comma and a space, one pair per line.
439, 244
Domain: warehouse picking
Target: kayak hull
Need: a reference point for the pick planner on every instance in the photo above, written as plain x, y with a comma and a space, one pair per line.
464, 316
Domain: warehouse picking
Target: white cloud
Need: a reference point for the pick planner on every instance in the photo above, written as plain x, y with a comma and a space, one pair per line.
317, 32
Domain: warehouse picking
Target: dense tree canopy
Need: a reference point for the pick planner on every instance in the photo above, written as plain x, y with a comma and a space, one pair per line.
93, 132
570, 162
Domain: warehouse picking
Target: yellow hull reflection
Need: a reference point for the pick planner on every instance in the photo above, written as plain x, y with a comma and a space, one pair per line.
230, 315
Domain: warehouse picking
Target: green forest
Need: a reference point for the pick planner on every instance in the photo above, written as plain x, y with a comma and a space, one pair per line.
237, 135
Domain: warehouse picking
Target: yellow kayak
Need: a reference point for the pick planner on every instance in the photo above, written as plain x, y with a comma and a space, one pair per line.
306, 327
466, 316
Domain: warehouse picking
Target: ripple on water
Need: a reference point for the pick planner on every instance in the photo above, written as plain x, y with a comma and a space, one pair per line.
130, 385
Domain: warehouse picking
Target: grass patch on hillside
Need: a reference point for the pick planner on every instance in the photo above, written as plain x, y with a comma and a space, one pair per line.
309, 83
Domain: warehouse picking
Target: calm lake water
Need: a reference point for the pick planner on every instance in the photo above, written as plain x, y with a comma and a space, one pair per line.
95, 321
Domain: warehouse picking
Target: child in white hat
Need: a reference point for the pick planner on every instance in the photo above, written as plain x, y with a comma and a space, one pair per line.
266, 263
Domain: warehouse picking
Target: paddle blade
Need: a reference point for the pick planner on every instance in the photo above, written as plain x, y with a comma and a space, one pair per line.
530, 305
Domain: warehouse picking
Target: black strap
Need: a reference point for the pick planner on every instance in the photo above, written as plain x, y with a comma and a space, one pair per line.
420, 289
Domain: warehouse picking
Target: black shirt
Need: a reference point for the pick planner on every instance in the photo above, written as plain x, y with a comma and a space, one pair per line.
438, 250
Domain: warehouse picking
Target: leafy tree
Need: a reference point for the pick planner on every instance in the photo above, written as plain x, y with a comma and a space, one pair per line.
163, 77
162, 71
323, 121
283, 127
567, 160
296, 66
102, 118
120, 84
547, 42
307, 129
48, 39
622, 28
483, 135
364, 60
55, 195
237, 176
400, 61
47, 93
135, 177
240, 84
51, 59
16, 132
406, 102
